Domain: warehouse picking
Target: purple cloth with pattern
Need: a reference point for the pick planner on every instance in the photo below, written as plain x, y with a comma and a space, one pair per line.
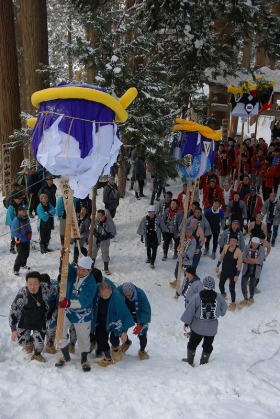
77, 128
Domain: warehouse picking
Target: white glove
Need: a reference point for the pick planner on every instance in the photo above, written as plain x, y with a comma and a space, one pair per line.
245, 223
227, 222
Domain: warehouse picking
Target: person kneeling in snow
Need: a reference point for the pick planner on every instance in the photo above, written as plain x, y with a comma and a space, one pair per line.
110, 317
29, 312
140, 309
201, 315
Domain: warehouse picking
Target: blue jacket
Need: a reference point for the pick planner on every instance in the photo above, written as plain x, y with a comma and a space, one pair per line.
119, 318
60, 207
142, 305
20, 228
10, 215
80, 310
42, 215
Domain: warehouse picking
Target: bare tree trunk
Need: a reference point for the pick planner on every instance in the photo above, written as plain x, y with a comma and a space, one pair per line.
22, 90
35, 45
9, 89
69, 38
122, 172
91, 36
247, 53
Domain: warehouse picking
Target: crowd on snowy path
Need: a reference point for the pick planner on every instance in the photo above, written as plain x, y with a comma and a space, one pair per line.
100, 312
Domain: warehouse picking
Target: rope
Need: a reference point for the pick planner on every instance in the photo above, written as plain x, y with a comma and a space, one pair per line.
74, 117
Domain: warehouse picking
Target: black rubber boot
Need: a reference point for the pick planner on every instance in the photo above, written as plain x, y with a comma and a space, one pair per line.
268, 237
190, 357
66, 357
84, 362
12, 250
273, 241
204, 358
42, 248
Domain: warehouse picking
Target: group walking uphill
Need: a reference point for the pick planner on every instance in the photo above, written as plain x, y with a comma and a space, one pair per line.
240, 218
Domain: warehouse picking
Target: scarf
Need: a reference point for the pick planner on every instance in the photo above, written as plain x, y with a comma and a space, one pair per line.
231, 233
254, 251
272, 208
147, 222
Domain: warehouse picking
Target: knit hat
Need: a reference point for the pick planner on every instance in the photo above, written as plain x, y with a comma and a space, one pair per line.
22, 207
190, 228
195, 220
112, 177
236, 221
128, 288
85, 262
253, 189
255, 240
208, 283
152, 208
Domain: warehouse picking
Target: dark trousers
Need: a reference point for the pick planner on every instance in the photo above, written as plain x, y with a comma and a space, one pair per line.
157, 189
13, 242
112, 212
141, 186
152, 250
252, 285
23, 250
276, 184
195, 340
102, 337
34, 201
196, 259
274, 228
266, 191
224, 276
76, 253
143, 341
167, 239
45, 235
215, 241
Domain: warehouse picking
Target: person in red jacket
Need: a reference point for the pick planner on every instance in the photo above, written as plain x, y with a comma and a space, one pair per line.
210, 193
205, 179
226, 195
244, 169
244, 187
267, 173
262, 144
276, 164
225, 167
182, 197
253, 204
257, 162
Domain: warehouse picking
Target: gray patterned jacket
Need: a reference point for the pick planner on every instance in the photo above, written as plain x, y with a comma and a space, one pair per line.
193, 315
22, 299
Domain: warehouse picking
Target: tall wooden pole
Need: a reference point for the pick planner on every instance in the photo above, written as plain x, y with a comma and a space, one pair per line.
68, 203
91, 230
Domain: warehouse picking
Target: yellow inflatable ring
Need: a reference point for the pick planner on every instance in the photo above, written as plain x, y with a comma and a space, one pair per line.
76, 92
31, 122
184, 125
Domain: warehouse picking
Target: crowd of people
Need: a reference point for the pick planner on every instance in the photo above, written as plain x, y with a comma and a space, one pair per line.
236, 194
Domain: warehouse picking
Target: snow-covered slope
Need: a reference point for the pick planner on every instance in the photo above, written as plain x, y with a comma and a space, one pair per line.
241, 380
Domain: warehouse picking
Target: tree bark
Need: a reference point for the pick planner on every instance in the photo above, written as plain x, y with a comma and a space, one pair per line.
9, 89
35, 45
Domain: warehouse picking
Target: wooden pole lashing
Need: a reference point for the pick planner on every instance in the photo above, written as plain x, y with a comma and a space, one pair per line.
67, 194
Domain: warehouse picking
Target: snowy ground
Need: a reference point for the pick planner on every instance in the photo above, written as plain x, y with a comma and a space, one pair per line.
241, 380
